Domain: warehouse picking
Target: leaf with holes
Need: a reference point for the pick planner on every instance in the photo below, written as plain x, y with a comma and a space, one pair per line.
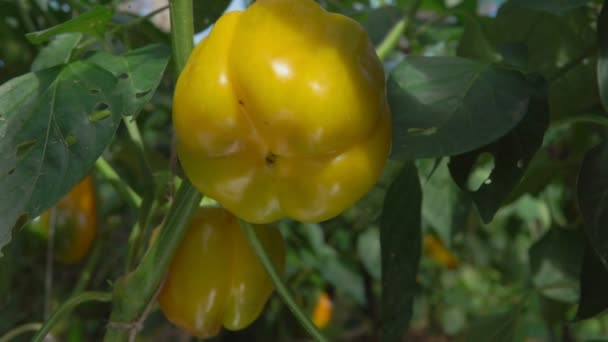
448, 105
140, 72
55, 123
401, 245
511, 154
93, 22
592, 196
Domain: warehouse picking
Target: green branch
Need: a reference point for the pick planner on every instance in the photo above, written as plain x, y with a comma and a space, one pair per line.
22, 329
278, 283
391, 40
123, 189
67, 307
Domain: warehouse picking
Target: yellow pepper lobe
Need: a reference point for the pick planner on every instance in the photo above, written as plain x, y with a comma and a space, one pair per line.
282, 111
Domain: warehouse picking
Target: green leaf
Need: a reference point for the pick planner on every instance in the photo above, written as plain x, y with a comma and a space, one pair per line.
555, 263
511, 155
401, 244
602, 63
494, 328
551, 6
593, 285
92, 22
540, 42
56, 122
58, 52
592, 194
140, 70
206, 12
449, 105
368, 250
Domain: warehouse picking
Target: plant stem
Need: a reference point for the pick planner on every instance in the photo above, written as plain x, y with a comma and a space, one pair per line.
67, 307
123, 189
27, 327
278, 283
87, 271
134, 292
182, 31
391, 39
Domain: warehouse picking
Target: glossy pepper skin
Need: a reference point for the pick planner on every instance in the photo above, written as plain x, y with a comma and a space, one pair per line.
282, 111
215, 277
75, 222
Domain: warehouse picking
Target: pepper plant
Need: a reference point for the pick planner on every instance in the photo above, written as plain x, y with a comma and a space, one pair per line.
423, 168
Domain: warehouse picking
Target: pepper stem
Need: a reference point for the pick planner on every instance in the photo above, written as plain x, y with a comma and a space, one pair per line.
282, 290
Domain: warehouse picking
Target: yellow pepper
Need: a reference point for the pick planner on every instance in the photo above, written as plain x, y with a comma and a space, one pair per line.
322, 313
282, 111
215, 277
75, 222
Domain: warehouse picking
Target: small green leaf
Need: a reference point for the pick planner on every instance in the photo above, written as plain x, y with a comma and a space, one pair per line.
401, 245
59, 51
592, 194
448, 105
92, 22
593, 284
511, 155
555, 263
206, 12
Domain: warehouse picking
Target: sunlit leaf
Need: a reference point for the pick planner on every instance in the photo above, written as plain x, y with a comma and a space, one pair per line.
448, 105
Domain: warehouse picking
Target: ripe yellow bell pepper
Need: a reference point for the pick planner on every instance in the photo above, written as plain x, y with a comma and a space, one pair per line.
215, 277
282, 111
75, 218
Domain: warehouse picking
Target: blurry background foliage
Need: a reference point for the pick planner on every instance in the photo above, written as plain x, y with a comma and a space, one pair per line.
513, 274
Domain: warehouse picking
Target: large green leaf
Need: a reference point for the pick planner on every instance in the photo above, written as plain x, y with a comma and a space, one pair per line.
56, 122
551, 6
555, 263
602, 63
448, 105
92, 22
511, 153
593, 198
593, 285
400, 241
560, 47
